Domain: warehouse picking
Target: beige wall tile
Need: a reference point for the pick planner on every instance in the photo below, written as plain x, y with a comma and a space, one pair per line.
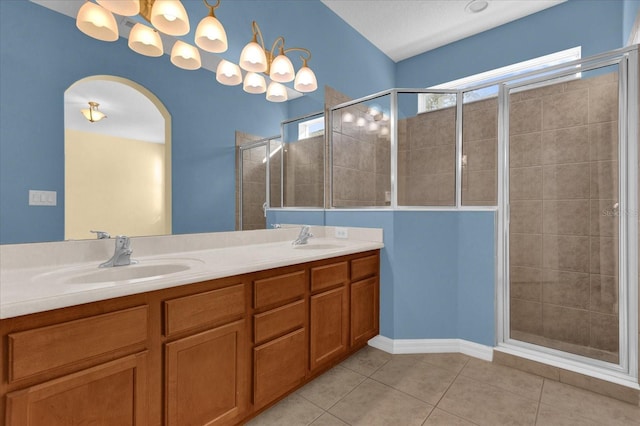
565, 110
525, 150
567, 217
602, 387
571, 289
525, 117
481, 188
569, 145
525, 250
525, 183
604, 293
481, 154
604, 256
525, 216
526, 316
566, 181
603, 103
526, 283
604, 218
604, 179
567, 253
566, 324
603, 139
479, 123
527, 365
604, 332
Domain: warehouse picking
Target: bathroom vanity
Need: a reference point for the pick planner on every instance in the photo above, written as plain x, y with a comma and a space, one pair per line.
216, 351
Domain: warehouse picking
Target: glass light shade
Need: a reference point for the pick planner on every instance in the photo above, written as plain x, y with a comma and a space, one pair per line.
305, 80
145, 40
92, 114
97, 22
170, 17
282, 69
254, 83
253, 58
185, 56
211, 36
276, 92
121, 7
228, 73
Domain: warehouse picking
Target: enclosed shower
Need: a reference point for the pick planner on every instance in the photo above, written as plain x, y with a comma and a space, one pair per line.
554, 153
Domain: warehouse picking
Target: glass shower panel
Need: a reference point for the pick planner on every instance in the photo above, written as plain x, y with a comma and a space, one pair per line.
563, 226
303, 158
426, 149
254, 184
361, 154
480, 147
275, 173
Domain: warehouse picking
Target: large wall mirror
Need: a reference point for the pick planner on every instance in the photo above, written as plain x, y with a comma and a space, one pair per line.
117, 167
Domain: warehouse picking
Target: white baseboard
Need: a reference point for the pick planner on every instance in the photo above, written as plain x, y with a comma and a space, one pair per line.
427, 346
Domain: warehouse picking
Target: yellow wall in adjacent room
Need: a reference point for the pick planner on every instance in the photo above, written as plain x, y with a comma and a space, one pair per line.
113, 184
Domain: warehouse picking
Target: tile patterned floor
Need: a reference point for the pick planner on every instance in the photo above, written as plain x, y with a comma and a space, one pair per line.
375, 388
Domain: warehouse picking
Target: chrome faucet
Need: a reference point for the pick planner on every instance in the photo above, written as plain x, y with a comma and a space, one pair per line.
102, 235
122, 255
303, 236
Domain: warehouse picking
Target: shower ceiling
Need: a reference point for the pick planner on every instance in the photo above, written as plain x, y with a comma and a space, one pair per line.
405, 28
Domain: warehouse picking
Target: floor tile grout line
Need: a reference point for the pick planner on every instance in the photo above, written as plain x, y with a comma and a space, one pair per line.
539, 400
452, 382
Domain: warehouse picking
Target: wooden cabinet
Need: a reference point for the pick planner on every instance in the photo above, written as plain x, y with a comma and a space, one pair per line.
205, 377
113, 393
216, 352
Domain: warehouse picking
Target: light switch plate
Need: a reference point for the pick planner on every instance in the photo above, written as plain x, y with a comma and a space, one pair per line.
42, 198
342, 232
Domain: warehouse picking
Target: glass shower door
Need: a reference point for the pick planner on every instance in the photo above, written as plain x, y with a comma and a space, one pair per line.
564, 203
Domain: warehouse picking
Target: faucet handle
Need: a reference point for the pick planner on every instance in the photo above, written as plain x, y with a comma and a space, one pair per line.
122, 241
102, 235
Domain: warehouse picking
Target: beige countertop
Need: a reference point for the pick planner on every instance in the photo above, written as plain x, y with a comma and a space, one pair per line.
26, 290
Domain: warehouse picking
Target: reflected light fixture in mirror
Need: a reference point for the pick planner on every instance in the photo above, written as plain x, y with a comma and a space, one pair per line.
185, 56
228, 73
276, 92
92, 114
145, 41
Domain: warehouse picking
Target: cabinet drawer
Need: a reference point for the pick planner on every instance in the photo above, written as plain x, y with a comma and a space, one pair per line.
279, 366
209, 307
279, 289
364, 267
41, 349
329, 275
278, 321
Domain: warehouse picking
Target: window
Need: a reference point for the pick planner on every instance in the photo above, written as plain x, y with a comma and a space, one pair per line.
311, 128
433, 101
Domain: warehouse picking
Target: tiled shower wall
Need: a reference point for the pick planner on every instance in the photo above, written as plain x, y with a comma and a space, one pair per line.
304, 173
563, 221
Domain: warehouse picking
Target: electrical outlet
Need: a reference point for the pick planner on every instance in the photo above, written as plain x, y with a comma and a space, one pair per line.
342, 232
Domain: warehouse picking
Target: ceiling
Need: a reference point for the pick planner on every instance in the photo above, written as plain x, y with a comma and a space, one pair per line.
405, 28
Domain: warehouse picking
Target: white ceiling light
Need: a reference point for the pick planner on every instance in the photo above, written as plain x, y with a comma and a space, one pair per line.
97, 22
185, 56
228, 73
210, 34
170, 17
276, 92
121, 7
145, 40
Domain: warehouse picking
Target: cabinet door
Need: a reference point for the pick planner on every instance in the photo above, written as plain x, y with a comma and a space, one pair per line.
364, 310
329, 325
206, 377
279, 366
114, 393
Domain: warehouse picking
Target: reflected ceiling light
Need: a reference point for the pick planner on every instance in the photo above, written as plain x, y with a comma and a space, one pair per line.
361, 121
170, 17
228, 73
347, 117
384, 131
210, 34
185, 56
121, 7
276, 92
254, 83
92, 114
97, 22
145, 40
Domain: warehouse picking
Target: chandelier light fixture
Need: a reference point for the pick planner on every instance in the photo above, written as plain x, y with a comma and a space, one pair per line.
92, 114
170, 17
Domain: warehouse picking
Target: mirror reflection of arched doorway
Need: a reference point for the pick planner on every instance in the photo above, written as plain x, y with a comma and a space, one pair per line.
118, 169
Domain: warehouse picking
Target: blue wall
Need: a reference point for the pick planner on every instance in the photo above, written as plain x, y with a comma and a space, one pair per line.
630, 10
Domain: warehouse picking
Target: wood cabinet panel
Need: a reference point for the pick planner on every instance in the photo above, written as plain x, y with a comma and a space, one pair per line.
114, 393
328, 276
206, 377
364, 267
279, 366
279, 289
364, 310
279, 321
30, 352
329, 326
211, 307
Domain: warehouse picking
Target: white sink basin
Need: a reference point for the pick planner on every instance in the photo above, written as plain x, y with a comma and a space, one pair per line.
143, 271
318, 247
